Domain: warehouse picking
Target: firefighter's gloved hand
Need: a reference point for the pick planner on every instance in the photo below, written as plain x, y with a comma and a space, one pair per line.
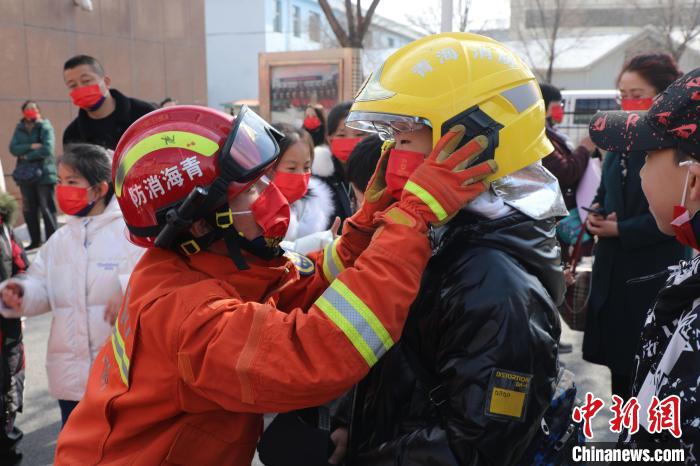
441, 186
377, 197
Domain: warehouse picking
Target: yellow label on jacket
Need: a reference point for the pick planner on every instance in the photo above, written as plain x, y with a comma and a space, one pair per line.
507, 402
507, 394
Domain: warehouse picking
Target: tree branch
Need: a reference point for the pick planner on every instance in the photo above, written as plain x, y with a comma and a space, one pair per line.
366, 21
352, 31
338, 30
358, 15
464, 14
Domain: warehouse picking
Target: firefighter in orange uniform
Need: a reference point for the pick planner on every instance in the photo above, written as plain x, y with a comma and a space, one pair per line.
217, 326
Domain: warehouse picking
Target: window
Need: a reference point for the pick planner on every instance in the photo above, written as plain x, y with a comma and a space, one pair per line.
296, 21
586, 108
314, 27
277, 21
390, 41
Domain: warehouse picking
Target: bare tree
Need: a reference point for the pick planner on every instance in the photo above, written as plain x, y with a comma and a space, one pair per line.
462, 7
429, 18
541, 32
357, 23
677, 23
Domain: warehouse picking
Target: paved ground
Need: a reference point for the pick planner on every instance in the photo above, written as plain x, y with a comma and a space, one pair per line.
41, 419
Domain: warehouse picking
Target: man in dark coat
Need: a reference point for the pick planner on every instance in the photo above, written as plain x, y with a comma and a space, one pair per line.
105, 113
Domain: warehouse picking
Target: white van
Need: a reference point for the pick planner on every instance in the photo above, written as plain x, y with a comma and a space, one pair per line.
580, 106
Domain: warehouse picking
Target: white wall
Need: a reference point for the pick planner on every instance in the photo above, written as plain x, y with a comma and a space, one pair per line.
601, 75
235, 35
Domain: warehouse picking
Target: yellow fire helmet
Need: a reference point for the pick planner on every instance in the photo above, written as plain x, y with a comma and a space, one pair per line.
458, 78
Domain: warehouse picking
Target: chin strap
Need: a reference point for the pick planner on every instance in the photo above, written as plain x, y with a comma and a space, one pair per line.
234, 249
221, 221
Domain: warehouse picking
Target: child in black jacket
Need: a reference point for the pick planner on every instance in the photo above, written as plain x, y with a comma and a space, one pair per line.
667, 368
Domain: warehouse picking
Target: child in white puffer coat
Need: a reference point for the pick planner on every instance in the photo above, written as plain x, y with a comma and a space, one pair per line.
310, 199
79, 273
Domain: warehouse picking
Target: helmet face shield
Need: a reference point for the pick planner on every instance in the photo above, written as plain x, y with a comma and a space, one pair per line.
386, 125
251, 147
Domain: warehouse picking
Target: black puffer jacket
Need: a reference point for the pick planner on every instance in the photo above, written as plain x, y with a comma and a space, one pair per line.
486, 304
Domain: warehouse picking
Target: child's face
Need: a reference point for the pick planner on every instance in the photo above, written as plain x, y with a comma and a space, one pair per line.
297, 159
69, 177
343, 131
662, 182
416, 141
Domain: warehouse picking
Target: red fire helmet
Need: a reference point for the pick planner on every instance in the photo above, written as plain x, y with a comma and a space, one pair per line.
166, 155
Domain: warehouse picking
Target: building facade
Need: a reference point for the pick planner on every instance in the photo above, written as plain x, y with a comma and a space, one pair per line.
150, 48
595, 37
238, 31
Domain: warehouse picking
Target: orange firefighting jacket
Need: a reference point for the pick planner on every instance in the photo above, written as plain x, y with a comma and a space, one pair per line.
200, 349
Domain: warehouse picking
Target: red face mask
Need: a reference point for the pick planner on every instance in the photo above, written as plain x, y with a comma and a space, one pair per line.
342, 147
686, 228
401, 165
271, 212
88, 97
73, 200
631, 105
293, 185
31, 114
557, 114
312, 123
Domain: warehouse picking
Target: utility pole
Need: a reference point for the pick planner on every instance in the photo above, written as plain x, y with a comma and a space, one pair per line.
446, 23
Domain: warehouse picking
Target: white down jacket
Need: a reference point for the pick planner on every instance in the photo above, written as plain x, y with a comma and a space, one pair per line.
74, 275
